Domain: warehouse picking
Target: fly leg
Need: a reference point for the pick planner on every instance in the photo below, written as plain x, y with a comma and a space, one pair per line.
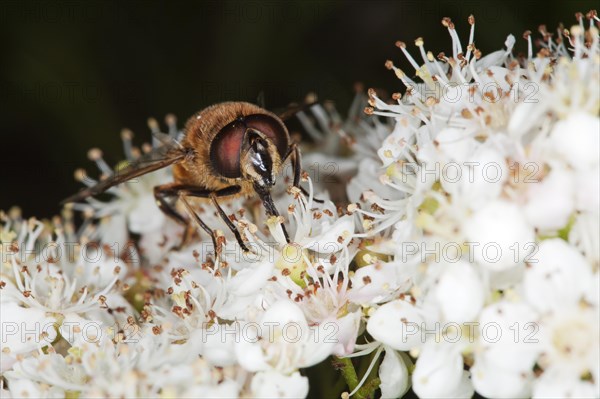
172, 191
180, 191
228, 222
294, 154
162, 194
267, 200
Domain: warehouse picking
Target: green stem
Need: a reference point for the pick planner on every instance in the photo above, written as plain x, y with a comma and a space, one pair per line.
368, 390
344, 364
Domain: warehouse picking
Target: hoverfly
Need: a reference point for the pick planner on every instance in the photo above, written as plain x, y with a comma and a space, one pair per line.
228, 149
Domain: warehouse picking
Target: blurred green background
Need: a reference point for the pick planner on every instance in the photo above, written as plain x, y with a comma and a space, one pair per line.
74, 73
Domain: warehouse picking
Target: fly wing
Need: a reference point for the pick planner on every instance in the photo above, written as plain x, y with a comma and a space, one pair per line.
293, 109
169, 153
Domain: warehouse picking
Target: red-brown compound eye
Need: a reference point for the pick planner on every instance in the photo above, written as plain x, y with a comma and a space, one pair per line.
272, 128
225, 149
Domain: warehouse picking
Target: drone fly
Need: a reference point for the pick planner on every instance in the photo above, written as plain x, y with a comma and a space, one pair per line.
228, 149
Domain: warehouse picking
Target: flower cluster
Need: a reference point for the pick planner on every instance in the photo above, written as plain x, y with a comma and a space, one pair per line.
466, 261
88, 313
485, 255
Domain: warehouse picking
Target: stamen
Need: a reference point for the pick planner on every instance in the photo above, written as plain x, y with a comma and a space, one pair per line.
171, 121
441, 73
456, 46
321, 117
357, 102
577, 37
126, 137
135, 153
95, 154
471, 36
402, 46
400, 74
309, 126
146, 147
80, 175
579, 17
154, 128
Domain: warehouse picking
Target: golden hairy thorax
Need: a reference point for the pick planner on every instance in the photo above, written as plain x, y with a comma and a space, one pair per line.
200, 131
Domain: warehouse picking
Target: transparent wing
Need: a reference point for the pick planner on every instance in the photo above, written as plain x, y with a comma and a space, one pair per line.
293, 109
169, 153
166, 140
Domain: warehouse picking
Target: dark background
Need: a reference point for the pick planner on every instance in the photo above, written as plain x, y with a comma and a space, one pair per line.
74, 73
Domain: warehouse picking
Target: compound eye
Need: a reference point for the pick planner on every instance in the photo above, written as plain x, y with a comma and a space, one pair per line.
273, 128
225, 149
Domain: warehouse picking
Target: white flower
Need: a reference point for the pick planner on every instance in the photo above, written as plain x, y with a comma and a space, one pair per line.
559, 184
50, 370
587, 195
576, 140
28, 388
439, 372
456, 144
558, 278
562, 383
270, 384
397, 324
494, 231
133, 207
477, 178
23, 330
393, 373
283, 341
568, 339
508, 338
585, 236
369, 172
460, 292
487, 249
493, 380
60, 287
380, 281
333, 237
471, 247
